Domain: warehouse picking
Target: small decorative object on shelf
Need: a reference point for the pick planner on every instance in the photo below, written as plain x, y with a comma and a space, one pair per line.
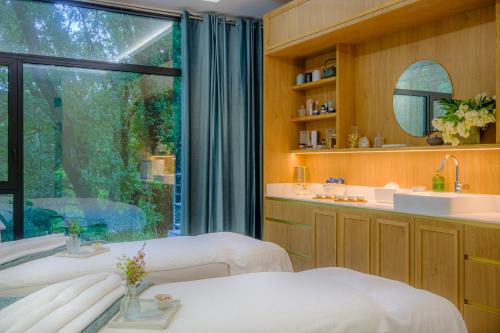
463, 119
301, 79
329, 70
435, 138
302, 111
309, 77
316, 75
364, 142
134, 270
353, 138
378, 141
73, 242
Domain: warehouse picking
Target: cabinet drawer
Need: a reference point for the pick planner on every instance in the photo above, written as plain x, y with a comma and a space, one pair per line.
301, 263
293, 238
482, 283
482, 242
289, 211
479, 321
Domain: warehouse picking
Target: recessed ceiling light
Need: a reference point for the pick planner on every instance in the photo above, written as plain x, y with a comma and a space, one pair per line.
215, 1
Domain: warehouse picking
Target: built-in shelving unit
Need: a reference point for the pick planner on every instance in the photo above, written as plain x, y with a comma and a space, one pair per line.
398, 149
315, 84
314, 118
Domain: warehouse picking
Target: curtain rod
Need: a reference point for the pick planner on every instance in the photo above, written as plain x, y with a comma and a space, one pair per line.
151, 10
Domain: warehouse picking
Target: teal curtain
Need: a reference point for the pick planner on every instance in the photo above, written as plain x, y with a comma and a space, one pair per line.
222, 123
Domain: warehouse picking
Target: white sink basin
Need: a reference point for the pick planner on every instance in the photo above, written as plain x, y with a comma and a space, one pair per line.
431, 203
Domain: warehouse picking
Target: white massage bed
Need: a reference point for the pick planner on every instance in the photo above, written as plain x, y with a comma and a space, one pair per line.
168, 260
327, 300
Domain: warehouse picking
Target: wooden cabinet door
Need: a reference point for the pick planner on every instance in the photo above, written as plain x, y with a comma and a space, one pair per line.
354, 242
325, 222
393, 248
439, 259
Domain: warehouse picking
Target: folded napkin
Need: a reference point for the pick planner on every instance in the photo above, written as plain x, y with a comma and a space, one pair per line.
10, 251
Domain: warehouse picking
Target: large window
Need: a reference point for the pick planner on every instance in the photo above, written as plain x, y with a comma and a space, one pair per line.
99, 133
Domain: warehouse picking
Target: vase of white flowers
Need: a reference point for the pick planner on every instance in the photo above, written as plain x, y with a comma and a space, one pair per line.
463, 120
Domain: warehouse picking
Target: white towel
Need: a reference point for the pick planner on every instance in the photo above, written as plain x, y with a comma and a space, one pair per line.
54, 307
13, 250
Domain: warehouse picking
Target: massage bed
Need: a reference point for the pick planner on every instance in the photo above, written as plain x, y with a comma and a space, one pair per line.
333, 300
168, 260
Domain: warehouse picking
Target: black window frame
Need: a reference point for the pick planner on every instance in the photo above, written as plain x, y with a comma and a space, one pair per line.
16, 62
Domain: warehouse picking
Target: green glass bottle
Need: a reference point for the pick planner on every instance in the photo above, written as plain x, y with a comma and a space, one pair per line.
438, 182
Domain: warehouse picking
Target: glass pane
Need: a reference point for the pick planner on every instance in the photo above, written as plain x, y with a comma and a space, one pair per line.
74, 32
4, 123
6, 213
100, 148
410, 112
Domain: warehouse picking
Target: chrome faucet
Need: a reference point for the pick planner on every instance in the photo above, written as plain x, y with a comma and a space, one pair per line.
458, 184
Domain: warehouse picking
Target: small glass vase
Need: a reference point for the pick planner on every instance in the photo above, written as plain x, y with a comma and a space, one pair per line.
130, 308
73, 245
474, 137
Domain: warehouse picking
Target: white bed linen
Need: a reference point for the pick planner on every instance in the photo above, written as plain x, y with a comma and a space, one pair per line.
13, 250
327, 300
240, 253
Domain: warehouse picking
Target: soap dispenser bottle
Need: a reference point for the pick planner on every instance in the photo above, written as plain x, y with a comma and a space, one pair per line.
438, 182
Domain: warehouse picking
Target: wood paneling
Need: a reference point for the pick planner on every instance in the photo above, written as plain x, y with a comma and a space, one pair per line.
354, 243
482, 242
301, 263
478, 169
297, 239
289, 211
280, 105
481, 321
299, 28
326, 237
439, 259
380, 62
345, 87
303, 17
393, 248
497, 21
482, 283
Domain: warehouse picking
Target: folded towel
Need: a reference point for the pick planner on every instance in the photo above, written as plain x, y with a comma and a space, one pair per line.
55, 307
10, 251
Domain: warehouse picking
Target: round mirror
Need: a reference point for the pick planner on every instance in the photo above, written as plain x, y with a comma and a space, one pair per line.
416, 96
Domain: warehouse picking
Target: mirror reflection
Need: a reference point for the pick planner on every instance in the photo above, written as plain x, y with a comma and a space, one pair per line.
416, 96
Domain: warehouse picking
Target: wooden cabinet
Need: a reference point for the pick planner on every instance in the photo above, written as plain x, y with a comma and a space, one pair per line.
300, 19
393, 248
354, 243
326, 237
482, 279
438, 259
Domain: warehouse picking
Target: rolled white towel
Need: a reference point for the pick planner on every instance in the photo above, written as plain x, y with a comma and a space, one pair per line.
13, 250
64, 299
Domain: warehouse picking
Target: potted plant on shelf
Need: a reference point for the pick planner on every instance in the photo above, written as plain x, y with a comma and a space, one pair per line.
463, 120
134, 271
73, 242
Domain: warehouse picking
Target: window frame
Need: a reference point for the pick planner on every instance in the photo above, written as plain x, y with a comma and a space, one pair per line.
16, 62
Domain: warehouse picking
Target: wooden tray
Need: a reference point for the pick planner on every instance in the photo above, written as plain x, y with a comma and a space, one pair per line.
85, 252
150, 318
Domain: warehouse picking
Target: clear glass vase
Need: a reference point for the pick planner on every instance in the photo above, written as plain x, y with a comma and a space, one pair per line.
474, 137
130, 307
73, 245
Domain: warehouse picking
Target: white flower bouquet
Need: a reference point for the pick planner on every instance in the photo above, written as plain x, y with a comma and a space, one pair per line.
464, 118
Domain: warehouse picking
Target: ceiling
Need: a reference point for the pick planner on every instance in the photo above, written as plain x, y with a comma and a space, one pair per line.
244, 8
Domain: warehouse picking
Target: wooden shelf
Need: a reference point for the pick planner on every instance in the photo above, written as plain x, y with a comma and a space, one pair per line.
314, 118
390, 17
397, 149
315, 84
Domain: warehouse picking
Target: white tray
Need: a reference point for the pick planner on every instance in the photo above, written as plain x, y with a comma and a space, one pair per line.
85, 252
150, 318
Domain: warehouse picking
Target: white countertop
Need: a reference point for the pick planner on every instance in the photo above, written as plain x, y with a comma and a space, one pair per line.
284, 191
